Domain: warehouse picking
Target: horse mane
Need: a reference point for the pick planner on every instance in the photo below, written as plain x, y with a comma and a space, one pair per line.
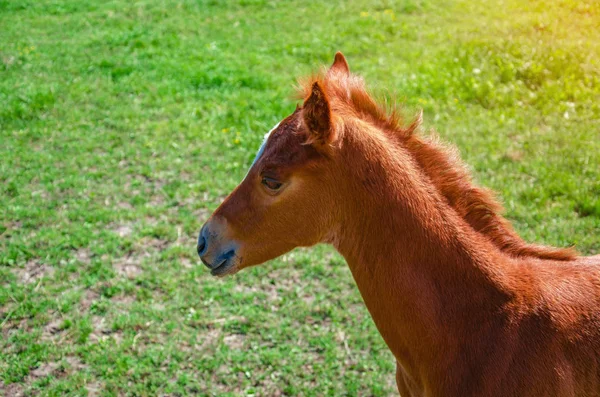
478, 206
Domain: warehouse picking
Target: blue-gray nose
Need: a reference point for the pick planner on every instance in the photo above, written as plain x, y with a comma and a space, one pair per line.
217, 254
201, 248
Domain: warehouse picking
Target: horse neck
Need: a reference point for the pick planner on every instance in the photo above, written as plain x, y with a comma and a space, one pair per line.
426, 277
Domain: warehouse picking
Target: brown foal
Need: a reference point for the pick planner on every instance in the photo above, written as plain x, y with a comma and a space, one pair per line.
466, 306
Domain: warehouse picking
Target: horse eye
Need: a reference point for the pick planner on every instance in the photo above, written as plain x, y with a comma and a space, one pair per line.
271, 183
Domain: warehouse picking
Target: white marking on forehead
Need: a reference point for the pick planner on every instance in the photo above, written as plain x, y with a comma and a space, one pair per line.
261, 150
264, 144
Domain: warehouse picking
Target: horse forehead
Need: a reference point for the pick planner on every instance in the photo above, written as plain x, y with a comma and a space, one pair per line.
283, 138
286, 150
274, 144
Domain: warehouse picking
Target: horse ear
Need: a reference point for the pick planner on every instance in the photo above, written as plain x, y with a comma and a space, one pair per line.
340, 65
317, 116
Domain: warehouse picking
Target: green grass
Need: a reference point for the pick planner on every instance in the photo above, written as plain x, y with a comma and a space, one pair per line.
124, 124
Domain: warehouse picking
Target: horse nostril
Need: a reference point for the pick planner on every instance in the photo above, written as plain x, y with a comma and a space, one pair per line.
201, 245
229, 254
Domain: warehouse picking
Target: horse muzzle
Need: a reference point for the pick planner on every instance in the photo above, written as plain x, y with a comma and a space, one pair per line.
215, 251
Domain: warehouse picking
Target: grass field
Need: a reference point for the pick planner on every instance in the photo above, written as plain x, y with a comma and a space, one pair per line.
123, 124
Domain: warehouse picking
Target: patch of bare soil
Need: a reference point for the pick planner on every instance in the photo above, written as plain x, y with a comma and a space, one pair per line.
157, 200
152, 243
10, 229
83, 255
52, 330
56, 369
514, 156
187, 263
211, 338
225, 372
32, 271
51, 368
94, 389
12, 325
153, 187
101, 330
128, 266
88, 299
125, 205
75, 363
235, 341
123, 230
45, 369
11, 390
124, 300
